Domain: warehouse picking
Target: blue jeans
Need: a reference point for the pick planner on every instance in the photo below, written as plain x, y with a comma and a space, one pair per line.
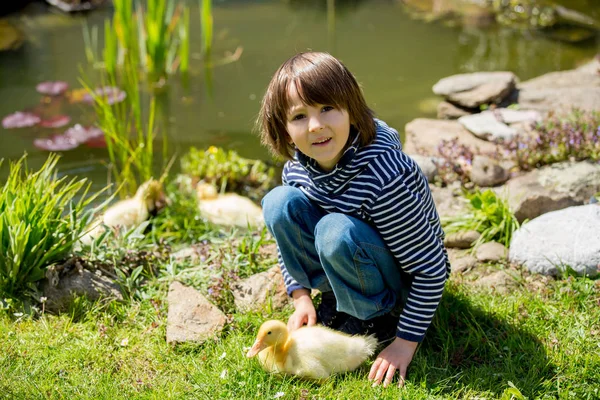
334, 251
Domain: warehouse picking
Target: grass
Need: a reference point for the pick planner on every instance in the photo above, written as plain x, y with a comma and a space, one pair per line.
545, 344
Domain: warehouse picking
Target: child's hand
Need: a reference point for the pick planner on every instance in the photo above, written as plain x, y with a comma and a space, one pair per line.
397, 356
304, 313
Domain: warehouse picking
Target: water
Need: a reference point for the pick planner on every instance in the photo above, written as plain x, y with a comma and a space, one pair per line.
396, 59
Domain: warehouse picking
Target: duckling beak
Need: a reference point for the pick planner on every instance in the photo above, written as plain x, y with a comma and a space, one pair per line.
256, 348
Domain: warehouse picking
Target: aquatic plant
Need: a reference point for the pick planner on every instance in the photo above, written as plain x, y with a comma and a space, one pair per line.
57, 121
20, 119
489, 214
574, 136
72, 138
206, 21
229, 171
52, 88
40, 219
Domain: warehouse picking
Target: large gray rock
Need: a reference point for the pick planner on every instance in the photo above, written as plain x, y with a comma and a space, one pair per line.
551, 188
61, 286
191, 317
486, 126
563, 90
427, 165
560, 239
260, 290
424, 135
486, 171
447, 110
472, 90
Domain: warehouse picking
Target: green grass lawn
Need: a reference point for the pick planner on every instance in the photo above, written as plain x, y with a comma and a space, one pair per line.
545, 343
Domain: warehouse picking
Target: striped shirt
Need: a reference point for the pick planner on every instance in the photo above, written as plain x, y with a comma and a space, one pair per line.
384, 187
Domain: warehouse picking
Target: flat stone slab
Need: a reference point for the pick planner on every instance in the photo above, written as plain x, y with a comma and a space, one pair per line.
472, 90
560, 239
424, 135
191, 317
260, 290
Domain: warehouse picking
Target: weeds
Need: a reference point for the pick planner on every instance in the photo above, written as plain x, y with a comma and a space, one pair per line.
41, 217
489, 215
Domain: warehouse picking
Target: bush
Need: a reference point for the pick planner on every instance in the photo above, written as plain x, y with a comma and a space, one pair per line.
39, 222
227, 170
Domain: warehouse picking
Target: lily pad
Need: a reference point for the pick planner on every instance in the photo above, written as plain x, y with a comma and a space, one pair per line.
20, 119
56, 121
72, 138
56, 143
111, 94
52, 88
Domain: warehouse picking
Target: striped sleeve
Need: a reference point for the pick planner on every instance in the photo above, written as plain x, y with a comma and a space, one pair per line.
290, 283
403, 216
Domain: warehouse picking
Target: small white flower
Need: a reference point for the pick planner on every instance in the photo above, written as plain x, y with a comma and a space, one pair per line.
278, 395
224, 374
124, 342
18, 314
223, 356
43, 299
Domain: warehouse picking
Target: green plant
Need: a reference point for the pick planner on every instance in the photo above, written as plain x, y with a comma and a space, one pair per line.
41, 217
206, 20
489, 215
228, 171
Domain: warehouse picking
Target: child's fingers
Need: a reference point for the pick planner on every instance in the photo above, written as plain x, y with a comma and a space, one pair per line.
402, 376
389, 376
374, 368
383, 367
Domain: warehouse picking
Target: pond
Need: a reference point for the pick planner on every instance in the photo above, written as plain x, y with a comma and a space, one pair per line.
397, 59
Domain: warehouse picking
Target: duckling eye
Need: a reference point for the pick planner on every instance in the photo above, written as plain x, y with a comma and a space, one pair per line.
268, 333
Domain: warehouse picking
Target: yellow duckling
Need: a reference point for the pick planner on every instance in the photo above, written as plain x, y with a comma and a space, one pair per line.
313, 352
227, 209
148, 199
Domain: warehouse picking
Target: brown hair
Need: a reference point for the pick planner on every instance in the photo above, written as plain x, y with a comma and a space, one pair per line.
319, 78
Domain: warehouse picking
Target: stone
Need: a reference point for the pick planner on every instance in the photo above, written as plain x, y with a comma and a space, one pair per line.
556, 240
424, 135
191, 317
551, 188
257, 291
449, 201
486, 126
461, 240
447, 110
473, 89
60, 288
563, 90
461, 261
11, 38
486, 172
501, 281
427, 165
490, 251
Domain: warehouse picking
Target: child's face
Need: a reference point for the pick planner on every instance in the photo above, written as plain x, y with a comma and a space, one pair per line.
320, 131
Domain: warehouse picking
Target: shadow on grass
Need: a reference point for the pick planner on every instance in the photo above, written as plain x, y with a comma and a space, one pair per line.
467, 348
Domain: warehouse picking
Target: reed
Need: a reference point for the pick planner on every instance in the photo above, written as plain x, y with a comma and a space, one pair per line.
206, 21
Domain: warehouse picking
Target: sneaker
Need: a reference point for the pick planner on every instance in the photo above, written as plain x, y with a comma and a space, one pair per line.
383, 327
327, 313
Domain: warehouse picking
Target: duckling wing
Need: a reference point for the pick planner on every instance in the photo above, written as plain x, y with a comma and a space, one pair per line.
320, 352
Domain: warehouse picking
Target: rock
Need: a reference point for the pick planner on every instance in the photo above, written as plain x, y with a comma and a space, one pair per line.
191, 317
560, 239
11, 38
448, 201
461, 261
473, 89
424, 135
563, 90
487, 172
60, 288
461, 240
76, 5
447, 110
426, 164
501, 281
551, 188
193, 255
490, 251
510, 116
257, 291
486, 126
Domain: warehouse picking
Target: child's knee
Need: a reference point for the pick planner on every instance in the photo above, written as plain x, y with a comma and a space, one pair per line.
332, 235
279, 201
